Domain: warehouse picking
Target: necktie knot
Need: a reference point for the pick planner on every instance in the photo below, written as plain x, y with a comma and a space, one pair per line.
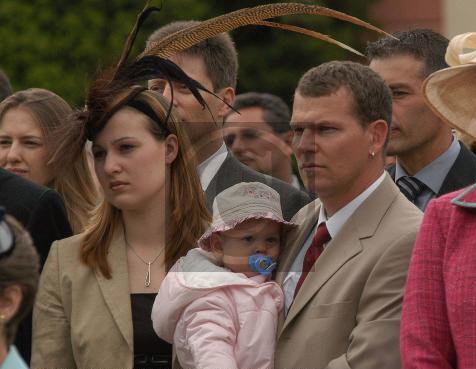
411, 187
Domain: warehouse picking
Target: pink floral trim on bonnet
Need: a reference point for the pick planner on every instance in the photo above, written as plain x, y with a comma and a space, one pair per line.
242, 202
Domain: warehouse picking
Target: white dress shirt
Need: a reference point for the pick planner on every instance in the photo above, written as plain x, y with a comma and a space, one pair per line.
334, 225
209, 168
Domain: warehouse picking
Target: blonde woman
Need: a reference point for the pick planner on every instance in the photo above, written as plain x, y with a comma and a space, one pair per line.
32, 123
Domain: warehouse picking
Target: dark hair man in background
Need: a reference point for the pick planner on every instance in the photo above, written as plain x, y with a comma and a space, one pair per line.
260, 136
430, 161
214, 63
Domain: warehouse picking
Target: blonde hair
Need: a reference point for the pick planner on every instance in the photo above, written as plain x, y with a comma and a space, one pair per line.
184, 226
74, 181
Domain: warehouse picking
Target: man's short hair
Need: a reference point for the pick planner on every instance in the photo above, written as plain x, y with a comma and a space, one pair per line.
5, 87
372, 97
275, 111
423, 44
218, 53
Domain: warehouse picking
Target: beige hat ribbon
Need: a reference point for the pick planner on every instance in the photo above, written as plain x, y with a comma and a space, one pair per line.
462, 50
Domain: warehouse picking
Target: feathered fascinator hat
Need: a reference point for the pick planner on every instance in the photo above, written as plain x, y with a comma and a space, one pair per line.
115, 87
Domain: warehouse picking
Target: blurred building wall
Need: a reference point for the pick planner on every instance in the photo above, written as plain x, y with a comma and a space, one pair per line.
459, 17
449, 17
401, 15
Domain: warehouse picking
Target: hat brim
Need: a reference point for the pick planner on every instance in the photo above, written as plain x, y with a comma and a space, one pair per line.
451, 94
204, 243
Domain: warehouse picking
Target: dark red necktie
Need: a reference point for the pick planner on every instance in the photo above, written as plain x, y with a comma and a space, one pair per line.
313, 252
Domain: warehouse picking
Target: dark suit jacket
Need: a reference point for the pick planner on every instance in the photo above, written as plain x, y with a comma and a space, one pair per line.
42, 213
461, 174
233, 171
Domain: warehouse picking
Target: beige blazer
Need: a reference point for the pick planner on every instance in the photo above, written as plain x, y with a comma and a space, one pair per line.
347, 312
80, 318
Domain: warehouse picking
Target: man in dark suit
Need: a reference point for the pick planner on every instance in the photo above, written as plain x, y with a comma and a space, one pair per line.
430, 160
42, 212
214, 63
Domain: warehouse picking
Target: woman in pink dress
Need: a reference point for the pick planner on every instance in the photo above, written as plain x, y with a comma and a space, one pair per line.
439, 310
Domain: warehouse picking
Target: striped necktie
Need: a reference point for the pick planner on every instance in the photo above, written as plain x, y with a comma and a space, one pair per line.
411, 187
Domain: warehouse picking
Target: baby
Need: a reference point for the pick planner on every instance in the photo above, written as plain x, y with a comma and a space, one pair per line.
217, 304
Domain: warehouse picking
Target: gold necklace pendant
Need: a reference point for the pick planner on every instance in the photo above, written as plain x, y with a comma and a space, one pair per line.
148, 276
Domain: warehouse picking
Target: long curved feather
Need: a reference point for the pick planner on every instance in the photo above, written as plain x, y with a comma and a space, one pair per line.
190, 36
141, 17
311, 33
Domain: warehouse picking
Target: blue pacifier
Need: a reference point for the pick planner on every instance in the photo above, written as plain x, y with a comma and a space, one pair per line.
261, 264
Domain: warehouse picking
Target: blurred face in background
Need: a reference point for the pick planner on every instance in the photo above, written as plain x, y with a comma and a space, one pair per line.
130, 162
254, 142
23, 149
414, 126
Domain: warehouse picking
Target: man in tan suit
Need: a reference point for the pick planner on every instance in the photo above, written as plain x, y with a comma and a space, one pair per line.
344, 269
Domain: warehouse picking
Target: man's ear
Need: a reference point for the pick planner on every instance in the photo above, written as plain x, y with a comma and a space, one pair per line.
171, 148
378, 132
10, 301
228, 95
287, 137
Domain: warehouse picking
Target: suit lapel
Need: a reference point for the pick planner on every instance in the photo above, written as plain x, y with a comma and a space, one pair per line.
228, 174
461, 174
295, 240
341, 249
345, 246
116, 290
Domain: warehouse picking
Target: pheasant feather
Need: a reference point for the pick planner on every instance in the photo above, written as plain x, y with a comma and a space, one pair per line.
190, 36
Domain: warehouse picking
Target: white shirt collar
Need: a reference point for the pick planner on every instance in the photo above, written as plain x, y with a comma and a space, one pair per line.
209, 168
335, 222
295, 182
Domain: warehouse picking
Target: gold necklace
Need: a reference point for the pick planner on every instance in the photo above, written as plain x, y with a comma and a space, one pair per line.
148, 263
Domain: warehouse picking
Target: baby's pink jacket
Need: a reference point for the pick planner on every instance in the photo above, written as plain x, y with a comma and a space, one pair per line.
217, 319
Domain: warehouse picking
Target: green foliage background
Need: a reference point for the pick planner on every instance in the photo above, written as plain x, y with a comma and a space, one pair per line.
59, 44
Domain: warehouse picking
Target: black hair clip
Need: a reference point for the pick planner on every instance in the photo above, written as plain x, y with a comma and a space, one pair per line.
7, 237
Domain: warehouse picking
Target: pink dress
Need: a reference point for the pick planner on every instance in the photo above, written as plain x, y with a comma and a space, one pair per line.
438, 328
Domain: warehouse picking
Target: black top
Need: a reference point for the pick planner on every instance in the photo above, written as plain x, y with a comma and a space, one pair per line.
150, 352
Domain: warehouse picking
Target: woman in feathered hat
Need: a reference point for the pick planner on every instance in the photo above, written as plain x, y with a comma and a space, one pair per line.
97, 288
439, 310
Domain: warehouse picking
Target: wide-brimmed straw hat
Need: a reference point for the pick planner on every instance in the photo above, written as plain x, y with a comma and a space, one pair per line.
451, 92
241, 202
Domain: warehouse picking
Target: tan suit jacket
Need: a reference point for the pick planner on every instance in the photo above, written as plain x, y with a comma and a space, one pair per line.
81, 319
347, 312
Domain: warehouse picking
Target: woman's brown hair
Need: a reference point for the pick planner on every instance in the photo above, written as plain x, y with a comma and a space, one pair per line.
185, 223
22, 268
73, 181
